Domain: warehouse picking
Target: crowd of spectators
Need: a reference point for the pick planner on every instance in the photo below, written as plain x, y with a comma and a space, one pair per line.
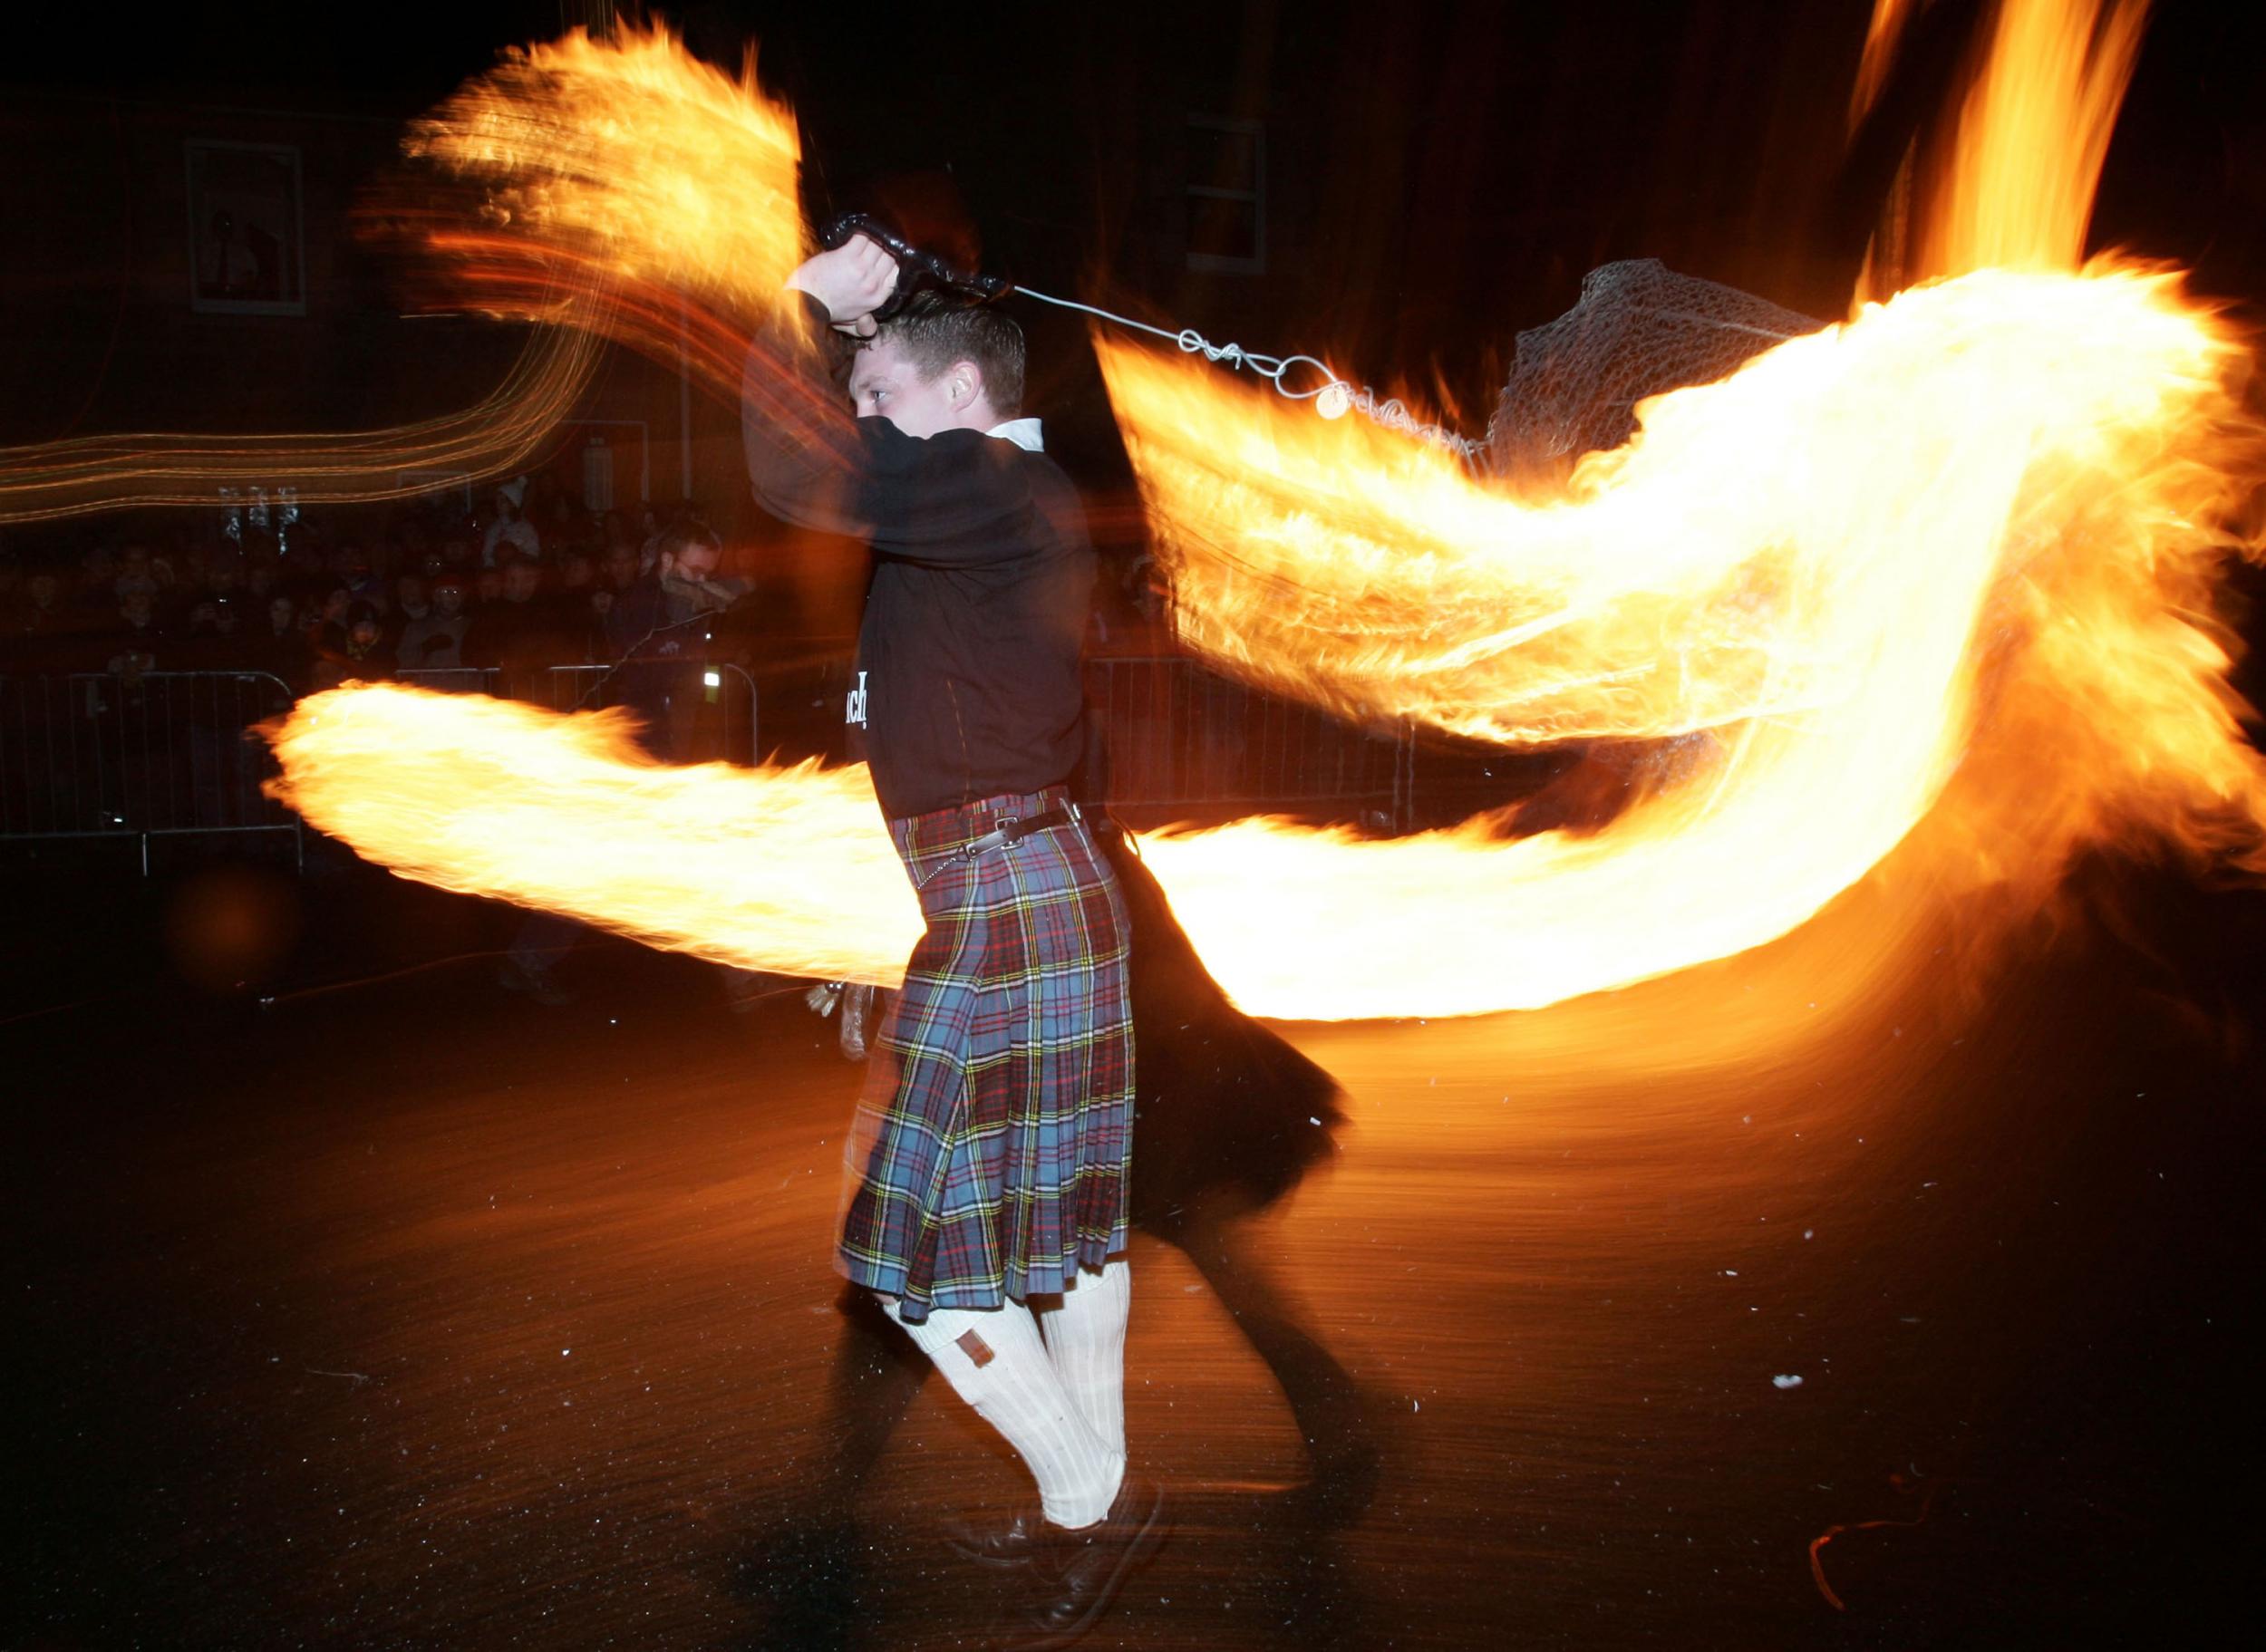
419, 589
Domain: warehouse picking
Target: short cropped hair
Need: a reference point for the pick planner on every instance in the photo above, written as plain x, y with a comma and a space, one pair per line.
935, 333
688, 533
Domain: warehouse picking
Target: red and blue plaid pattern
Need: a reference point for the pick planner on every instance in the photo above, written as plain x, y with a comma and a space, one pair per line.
990, 1161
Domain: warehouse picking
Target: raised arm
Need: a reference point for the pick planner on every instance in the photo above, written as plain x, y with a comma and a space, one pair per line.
812, 462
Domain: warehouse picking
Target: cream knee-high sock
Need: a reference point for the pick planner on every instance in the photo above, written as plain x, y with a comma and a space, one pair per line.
995, 1361
1085, 1338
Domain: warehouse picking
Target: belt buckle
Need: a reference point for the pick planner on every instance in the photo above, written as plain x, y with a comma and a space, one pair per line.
996, 838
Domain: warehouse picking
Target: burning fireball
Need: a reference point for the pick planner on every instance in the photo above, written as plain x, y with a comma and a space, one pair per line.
1936, 583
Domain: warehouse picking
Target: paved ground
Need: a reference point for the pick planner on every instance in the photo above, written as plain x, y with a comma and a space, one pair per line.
411, 1315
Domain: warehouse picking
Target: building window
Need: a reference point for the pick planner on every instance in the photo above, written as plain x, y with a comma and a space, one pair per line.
247, 236
1227, 196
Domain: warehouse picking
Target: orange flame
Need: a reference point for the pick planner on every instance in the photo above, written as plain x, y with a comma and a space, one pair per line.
1942, 578
613, 181
2032, 137
1995, 499
1996, 504
2013, 187
612, 188
630, 155
786, 869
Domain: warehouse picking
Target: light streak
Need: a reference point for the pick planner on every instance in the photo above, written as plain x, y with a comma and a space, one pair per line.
585, 185
496, 436
785, 869
1932, 592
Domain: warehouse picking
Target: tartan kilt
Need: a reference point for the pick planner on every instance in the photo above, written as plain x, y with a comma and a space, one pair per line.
991, 1154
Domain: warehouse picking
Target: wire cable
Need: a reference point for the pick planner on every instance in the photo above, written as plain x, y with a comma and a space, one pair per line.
1332, 396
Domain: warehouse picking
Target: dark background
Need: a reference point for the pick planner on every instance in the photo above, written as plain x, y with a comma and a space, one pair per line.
269, 1332
1435, 178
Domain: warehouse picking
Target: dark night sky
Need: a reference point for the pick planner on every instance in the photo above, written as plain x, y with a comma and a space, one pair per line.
1598, 101
1442, 173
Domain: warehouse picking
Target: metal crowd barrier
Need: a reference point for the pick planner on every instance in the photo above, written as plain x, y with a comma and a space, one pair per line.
694, 712
1180, 741
170, 753
153, 754
1171, 740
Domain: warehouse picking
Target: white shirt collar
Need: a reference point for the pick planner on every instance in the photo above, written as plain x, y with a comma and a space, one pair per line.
1023, 432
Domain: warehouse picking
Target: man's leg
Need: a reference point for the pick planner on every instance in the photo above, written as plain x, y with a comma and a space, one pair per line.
994, 1360
1085, 1338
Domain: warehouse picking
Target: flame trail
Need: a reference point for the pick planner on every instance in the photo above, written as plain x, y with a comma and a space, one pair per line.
1997, 503
2015, 189
628, 153
616, 172
607, 189
1837, 563
499, 434
769, 868
1937, 584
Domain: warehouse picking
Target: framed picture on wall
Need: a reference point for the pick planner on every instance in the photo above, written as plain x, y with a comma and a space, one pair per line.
246, 229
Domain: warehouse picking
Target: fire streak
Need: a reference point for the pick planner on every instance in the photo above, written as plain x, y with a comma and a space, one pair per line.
1938, 582
610, 188
495, 436
769, 868
613, 182
629, 153
1838, 564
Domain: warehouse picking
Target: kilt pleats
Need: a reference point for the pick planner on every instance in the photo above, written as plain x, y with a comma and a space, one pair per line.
990, 1160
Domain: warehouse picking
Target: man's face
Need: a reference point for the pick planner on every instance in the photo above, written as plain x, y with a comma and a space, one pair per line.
696, 561
449, 599
884, 384
520, 582
621, 565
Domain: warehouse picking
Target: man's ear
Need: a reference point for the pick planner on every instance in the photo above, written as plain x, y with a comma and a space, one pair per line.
965, 385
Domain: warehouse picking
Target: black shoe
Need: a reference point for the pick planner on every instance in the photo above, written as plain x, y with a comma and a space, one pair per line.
1079, 1573
1009, 1544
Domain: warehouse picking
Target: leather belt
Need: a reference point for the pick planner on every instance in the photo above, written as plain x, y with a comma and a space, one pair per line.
1012, 829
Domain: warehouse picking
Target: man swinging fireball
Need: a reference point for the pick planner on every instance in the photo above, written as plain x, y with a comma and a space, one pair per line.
989, 1165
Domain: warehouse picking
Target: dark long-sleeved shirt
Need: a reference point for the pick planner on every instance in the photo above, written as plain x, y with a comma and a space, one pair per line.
967, 684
